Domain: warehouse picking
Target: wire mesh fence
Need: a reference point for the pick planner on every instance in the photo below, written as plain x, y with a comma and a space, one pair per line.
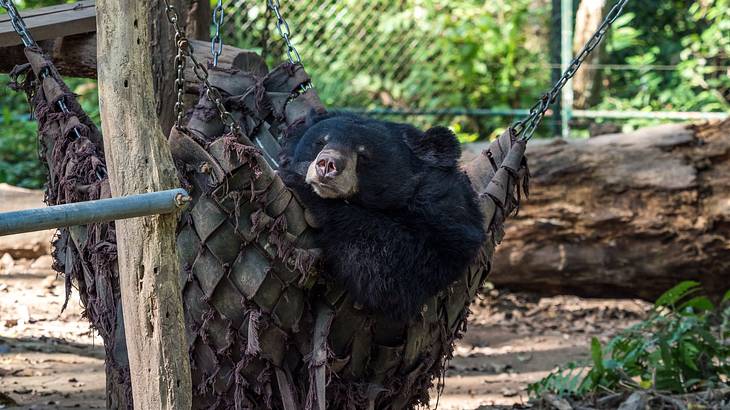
471, 64
353, 46
405, 58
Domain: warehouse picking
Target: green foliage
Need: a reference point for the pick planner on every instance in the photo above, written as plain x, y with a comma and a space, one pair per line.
681, 347
19, 163
416, 54
424, 54
569, 379
694, 36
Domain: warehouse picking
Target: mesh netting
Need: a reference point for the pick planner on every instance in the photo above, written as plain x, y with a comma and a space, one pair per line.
264, 330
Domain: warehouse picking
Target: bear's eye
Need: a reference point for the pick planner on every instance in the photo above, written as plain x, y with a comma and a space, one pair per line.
321, 142
362, 152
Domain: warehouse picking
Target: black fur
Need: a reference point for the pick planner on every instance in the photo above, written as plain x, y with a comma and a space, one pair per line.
413, 227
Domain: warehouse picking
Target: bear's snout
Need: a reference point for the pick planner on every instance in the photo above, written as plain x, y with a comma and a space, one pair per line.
332, 174
329, 163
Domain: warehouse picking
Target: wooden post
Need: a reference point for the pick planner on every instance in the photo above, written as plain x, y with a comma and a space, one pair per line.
130, 56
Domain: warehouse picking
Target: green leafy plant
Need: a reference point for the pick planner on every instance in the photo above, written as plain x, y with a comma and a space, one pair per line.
19, 163
683, 51
414, 54
681, 347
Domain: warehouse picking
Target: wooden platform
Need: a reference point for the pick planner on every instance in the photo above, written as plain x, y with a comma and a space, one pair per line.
67, 33
51, 22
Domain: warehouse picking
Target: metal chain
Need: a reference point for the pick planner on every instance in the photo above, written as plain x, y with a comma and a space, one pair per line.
185, 50
179, 63
283, 27
181, 42
216, 43
526, 127
17, 22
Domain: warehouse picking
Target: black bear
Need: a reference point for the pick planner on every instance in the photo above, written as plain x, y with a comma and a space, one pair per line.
399, 220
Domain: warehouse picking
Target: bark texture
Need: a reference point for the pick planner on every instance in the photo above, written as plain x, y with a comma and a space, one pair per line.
625, 215
138, 160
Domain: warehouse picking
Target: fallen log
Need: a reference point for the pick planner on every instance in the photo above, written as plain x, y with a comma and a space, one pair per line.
623, 215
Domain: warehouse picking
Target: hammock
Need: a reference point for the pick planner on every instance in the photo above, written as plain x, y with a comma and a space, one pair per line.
264, 329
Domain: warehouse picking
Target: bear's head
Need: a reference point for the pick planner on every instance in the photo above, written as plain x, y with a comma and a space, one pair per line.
377, 163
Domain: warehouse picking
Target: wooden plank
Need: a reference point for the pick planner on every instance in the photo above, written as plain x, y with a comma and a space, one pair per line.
4, 18
51, 22
75, 56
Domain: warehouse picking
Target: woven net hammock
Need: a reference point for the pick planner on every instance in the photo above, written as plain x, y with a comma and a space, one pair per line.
264, 329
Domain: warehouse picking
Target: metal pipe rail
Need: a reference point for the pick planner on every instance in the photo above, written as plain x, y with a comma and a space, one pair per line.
509, 112
102, 210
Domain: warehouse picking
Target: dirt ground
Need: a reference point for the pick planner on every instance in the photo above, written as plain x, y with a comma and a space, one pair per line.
50, 360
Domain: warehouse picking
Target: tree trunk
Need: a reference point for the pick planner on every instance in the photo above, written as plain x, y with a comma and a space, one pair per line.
623, 215
586, 83
197, 20
135, 59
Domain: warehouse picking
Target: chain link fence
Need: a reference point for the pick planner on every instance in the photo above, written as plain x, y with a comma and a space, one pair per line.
477, 65
349, 42
409, 57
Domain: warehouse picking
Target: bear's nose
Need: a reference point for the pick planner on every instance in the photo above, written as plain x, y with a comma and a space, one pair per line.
328, 164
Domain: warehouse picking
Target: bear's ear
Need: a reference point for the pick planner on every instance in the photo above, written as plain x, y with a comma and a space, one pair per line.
314, 116
438, 146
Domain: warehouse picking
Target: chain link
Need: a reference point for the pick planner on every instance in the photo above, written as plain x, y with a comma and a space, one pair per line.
283, 27
17, 22
180, 62
216, 43
526, 127
185, 51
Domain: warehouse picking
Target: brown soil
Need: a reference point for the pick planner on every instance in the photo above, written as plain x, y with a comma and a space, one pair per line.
515, 339
50, 361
